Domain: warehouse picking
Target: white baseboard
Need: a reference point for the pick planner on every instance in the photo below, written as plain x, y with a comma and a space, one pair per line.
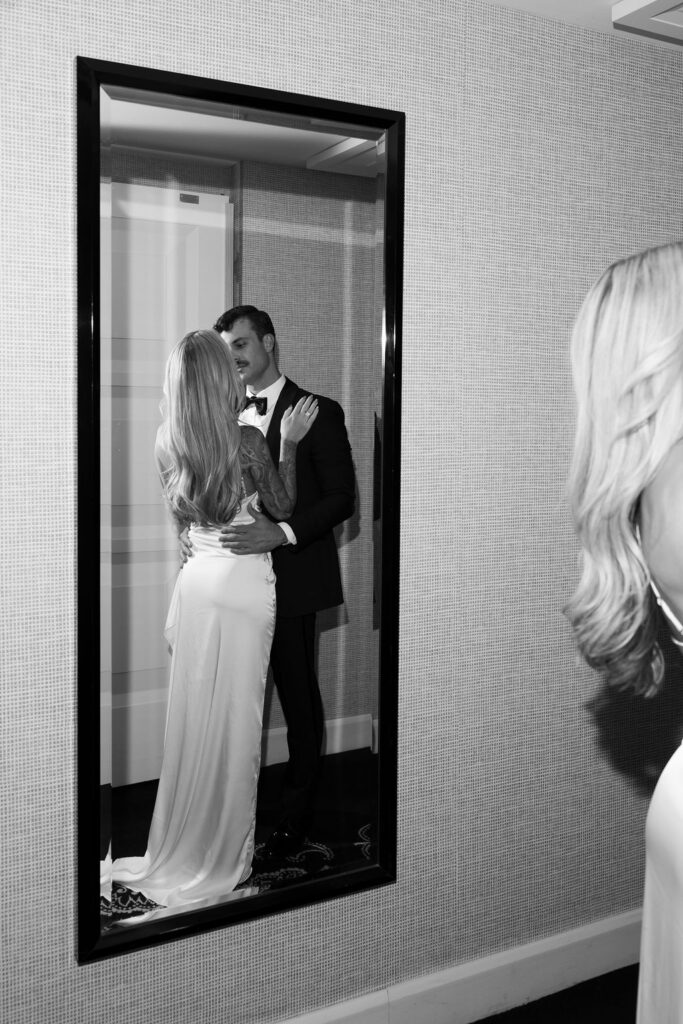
138, 727
352, 733
371, 1009
493, 984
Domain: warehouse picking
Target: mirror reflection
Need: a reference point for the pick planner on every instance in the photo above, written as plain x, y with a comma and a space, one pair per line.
242, 305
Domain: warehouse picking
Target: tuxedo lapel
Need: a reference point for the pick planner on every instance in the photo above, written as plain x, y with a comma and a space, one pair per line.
287, 397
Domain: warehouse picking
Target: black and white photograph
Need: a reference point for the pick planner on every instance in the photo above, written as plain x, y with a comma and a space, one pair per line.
341, 398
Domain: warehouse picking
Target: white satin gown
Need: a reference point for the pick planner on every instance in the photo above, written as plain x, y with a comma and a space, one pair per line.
220, 628
660, 981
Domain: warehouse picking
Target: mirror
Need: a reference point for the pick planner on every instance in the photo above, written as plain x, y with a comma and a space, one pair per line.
211, 787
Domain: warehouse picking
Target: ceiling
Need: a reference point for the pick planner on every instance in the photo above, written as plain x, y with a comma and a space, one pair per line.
213, 131
592, 14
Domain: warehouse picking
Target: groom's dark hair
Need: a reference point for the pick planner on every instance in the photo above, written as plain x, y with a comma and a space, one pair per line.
258, 319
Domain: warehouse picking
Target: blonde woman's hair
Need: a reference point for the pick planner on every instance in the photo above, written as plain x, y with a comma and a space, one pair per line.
627, 363
200, 435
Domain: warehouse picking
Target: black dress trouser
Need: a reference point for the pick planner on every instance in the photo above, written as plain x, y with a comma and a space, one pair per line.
292, 659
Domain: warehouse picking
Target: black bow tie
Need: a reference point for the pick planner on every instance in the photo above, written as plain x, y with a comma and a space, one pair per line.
260, 403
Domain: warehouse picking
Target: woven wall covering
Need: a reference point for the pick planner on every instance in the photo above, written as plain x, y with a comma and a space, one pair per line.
308, 257
536, 154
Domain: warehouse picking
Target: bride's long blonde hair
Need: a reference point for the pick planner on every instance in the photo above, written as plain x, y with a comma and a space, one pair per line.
627, 362
200, 434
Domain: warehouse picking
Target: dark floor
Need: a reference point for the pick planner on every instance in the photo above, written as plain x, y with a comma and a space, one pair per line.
610, 999
341, 832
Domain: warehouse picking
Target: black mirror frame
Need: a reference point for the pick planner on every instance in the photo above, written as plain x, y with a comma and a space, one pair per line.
91, 75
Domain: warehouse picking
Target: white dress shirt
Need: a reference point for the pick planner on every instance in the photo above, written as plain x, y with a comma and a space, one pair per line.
254, 419
272, 393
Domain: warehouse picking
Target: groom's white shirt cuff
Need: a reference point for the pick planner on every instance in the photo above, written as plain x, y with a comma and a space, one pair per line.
288, 532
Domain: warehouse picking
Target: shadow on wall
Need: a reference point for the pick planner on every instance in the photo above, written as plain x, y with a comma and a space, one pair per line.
639, 735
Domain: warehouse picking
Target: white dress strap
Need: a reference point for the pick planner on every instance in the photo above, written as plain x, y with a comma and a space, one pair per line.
674, 623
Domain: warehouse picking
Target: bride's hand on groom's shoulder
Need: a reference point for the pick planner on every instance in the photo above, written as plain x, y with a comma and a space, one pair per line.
297, 421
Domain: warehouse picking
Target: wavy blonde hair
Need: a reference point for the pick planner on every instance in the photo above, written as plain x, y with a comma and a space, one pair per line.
200, 434
627, 363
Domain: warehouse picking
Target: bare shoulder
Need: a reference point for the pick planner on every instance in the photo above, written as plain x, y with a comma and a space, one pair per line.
662, 524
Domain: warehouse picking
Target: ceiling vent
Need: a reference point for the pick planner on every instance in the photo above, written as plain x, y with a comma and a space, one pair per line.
660, 19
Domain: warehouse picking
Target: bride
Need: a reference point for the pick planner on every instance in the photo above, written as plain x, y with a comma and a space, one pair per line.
220, 627
626, 488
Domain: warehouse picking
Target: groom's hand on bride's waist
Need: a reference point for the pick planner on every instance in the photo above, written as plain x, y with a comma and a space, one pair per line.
253, 538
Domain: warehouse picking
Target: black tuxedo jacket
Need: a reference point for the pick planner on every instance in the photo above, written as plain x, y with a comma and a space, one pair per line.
308, 577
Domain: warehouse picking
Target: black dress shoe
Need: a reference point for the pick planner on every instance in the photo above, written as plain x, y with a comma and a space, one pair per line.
284, 841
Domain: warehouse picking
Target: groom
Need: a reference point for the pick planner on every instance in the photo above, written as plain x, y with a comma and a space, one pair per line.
304, 552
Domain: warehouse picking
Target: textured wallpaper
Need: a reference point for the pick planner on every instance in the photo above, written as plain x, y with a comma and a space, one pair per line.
536, 153
308, 257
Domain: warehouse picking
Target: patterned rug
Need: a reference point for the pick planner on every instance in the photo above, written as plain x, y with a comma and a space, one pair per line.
313, 860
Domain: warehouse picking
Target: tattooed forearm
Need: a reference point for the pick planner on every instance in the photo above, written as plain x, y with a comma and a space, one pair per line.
277, 490
287, 468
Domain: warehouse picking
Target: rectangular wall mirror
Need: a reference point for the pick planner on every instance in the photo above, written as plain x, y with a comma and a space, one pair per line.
196, 197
